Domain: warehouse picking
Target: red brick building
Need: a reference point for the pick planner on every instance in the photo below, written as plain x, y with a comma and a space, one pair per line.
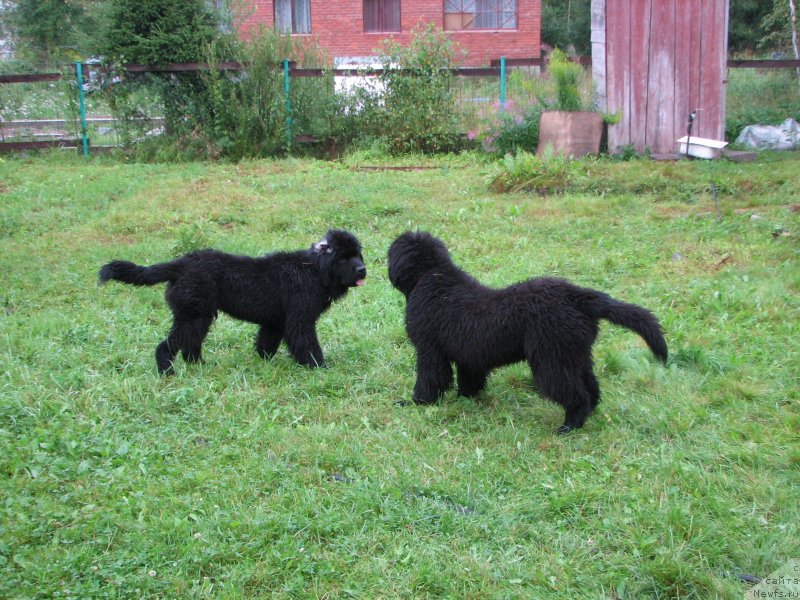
345, 29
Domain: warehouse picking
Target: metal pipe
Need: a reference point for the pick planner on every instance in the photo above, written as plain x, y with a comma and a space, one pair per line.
82, 103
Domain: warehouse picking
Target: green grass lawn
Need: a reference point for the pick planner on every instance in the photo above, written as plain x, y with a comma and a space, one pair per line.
251, 478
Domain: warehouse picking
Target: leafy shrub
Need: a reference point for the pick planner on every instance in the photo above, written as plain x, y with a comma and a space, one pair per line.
247, 110
159, 32
509, 128
415, 110
229, 114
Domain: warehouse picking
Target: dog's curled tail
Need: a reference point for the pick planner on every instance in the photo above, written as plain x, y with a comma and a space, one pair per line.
128, 272
631, 316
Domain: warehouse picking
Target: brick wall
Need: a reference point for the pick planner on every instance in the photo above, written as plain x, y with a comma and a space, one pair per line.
338, 28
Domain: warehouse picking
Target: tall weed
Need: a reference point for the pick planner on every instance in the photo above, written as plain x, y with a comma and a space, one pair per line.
566, 76
760, 97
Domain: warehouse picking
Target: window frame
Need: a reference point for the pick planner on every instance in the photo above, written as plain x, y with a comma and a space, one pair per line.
475, 16
291, 30
382, 26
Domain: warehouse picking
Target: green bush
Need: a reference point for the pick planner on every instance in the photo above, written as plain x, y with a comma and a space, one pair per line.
218, 113
509, 128
515, 125
229, 114
546, 174
414, 112
160, 32
247, 110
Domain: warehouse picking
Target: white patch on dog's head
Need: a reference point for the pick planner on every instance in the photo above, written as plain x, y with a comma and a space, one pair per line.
323, 247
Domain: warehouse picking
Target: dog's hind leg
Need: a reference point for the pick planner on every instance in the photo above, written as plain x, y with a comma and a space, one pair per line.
590, 381
434, 376
185, 336
566, 386
577, 406
165, 354
268, 340
193, 334
470, 381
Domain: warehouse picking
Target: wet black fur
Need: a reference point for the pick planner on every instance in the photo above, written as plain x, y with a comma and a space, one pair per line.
284, 293
550, 323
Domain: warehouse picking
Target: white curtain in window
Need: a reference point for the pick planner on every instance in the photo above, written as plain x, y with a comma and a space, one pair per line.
496, 14
301, 16
507, 16
487, 15
283, 15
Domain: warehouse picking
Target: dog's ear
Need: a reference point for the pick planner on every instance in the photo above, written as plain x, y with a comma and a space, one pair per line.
322, 247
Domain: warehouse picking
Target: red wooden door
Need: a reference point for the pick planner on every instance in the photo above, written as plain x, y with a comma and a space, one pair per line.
663, 60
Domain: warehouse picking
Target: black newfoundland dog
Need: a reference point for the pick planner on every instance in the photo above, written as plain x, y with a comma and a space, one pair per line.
551, 323
284, 293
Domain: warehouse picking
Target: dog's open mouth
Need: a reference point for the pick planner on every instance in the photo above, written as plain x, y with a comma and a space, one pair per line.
360, 282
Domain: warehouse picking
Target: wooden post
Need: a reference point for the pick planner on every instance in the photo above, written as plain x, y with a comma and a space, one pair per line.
795, 43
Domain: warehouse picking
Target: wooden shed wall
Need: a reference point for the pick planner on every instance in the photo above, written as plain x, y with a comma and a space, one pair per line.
657, 61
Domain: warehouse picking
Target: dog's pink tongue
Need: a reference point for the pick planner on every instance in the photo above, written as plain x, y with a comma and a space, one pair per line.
360, 282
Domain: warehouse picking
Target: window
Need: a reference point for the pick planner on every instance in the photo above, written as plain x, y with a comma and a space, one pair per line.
381, 15
293, 16
223, 10
480, 14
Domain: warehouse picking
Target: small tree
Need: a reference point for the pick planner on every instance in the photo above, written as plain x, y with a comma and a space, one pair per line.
47, 30
159, 32
417, 109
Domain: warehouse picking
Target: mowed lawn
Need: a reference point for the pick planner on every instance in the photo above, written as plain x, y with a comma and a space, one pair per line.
244, 478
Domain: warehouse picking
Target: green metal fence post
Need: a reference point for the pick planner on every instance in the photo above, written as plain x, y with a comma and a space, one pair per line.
82, 103
288, 106
502, 83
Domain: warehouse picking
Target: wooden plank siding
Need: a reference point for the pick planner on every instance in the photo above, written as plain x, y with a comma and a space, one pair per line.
639, 62
664, 59
617, 34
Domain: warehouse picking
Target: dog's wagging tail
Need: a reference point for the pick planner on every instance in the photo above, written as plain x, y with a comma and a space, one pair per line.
284, 293
128, 272
454, 320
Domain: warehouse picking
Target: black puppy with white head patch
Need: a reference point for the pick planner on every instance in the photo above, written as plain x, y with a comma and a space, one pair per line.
284, 293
